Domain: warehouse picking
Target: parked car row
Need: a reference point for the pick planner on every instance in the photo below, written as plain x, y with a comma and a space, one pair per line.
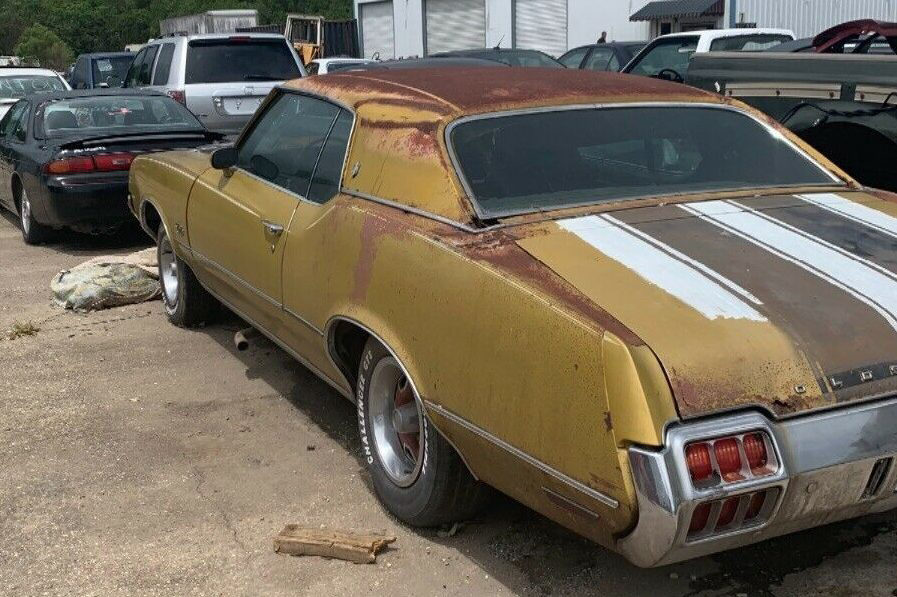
587, 290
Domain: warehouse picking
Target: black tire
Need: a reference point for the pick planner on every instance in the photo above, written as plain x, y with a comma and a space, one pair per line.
33, 232
443, 490
188, 304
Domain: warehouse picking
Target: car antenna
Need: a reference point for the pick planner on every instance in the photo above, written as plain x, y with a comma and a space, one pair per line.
498, 45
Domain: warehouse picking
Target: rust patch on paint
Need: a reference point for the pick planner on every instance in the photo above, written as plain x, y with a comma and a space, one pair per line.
373, 229
499, 249
608, 422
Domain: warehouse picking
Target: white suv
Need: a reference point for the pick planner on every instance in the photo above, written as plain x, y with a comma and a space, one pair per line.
222, 78
667, 56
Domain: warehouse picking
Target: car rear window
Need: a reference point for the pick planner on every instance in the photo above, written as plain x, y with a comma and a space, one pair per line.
22, 85
240, 59
748, 43
115, 115
111, 71
521, 163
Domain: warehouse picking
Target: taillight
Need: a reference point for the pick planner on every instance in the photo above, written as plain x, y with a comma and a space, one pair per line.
70, 166
727, 512
699, 519
107, 162
755, 450
722, 460
728, 458
111, 162
697, 456
178, 95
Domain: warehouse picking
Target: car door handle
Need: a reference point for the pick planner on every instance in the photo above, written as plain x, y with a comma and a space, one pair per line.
272, 233
272, 228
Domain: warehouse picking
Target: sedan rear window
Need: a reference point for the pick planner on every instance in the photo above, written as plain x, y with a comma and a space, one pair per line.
538, 161
114, 115
240, 59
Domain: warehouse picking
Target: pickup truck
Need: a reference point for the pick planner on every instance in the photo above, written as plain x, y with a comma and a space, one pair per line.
836, 94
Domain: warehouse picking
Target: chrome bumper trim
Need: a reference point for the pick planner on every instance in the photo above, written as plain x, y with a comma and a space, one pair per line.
825, 461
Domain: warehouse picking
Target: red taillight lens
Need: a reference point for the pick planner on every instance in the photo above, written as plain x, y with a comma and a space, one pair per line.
756, 505
699, 519
755, 450
70, 166
178, 95
111, 162
727, 512
698, 458
728, 458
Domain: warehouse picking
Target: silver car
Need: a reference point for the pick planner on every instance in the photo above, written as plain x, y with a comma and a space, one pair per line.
222, 78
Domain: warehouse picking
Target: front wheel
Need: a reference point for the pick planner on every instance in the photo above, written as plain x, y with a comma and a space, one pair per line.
416, 473
186, 302
33, 232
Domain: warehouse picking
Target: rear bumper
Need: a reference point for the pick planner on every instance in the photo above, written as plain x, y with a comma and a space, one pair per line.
87, 201
825, 465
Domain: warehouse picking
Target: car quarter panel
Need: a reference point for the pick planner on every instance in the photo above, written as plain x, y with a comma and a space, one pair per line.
511, 376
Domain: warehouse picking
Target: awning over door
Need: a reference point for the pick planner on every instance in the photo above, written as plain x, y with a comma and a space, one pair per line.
377, 29
669, 9
455, 25
541, 25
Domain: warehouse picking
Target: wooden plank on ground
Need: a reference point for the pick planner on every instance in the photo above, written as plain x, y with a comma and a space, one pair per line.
361, 548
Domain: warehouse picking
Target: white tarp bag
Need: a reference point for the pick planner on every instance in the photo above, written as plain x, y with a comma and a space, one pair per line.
108, 281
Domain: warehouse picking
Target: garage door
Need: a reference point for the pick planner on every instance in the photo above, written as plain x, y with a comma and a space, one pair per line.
541, 25
455, 25
377, 30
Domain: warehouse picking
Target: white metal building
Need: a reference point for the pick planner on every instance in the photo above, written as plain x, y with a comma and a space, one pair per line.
406, 28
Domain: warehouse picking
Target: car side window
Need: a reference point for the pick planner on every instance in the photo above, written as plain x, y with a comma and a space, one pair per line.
325, 183
573, 58
134, 70
10, 119
163, 65
284, 145
599, 59
146, 67
20, 129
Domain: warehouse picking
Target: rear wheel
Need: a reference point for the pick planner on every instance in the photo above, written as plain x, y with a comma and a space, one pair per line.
416, 473
186, 302
33, 232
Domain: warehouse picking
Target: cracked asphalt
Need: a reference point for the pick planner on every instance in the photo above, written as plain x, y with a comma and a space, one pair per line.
137, 458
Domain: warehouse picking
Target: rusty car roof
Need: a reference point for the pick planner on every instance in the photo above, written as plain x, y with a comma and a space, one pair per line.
474, 90
398, 151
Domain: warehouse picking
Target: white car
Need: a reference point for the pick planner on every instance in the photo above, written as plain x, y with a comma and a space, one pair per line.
17, 82
322, 66
667, 56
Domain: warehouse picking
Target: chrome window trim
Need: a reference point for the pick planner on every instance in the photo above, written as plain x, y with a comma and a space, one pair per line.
605, 499
471, 197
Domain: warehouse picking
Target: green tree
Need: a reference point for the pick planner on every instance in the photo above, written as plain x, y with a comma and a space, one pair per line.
39, 42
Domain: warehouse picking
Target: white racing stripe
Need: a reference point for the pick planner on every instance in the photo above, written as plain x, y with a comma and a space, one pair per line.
863, 282
694, 284
856, 212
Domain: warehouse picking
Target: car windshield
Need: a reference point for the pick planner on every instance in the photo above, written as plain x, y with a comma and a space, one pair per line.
115, 115
21, 85
111, 71
240, 59
748, 43
538, 161
671, 53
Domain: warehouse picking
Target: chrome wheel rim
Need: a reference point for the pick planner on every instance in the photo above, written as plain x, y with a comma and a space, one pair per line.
397, 423
25, 209
168, 271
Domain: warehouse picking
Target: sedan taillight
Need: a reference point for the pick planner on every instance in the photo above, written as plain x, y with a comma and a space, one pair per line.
726, 460
107, 162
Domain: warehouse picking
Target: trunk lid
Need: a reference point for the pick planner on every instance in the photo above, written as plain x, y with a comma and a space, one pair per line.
785, 302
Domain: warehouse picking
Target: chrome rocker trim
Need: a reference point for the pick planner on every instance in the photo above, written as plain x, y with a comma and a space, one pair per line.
824, 464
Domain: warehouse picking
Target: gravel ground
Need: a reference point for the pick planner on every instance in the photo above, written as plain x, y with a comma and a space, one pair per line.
137, 458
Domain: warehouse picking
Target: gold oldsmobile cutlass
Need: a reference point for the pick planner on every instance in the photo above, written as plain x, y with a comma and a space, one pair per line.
645, 311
